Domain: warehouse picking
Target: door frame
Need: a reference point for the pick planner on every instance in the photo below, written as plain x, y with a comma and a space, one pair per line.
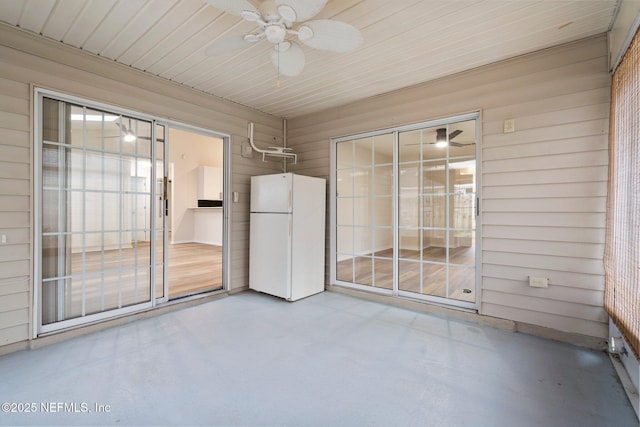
226, 197
396, 292
36, 311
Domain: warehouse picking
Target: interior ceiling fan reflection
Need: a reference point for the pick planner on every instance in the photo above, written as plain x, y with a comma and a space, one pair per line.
443, 141
276, 21
127, 133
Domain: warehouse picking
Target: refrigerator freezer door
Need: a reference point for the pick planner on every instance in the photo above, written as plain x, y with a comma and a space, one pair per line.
270, 254
271, 193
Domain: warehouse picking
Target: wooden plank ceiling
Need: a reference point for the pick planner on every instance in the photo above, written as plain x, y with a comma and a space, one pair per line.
405, 42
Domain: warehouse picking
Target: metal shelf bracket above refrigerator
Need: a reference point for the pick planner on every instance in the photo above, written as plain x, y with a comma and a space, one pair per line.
282, 152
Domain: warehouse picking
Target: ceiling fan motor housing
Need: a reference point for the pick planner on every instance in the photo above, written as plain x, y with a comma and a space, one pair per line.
275, 33
275, 19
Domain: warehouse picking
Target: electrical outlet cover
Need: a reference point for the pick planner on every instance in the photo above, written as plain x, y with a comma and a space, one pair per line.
246, 150
538, 282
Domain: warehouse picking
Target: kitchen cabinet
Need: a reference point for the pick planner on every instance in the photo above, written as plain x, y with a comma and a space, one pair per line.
210, 183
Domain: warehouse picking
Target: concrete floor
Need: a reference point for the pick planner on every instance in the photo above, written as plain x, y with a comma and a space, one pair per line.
328, 360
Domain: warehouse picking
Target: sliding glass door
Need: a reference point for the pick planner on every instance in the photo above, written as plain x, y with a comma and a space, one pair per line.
436, 206
405, 211
101, 212
364, 217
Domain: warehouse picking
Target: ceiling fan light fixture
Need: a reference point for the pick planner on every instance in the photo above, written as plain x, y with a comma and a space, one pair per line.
275, 19
275, 33
287, 13
305, 33
250, 15
129, 137
441, 137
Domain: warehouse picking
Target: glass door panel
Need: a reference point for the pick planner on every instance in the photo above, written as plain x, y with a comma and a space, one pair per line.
442, 211
364, 211
428, 210
95, 224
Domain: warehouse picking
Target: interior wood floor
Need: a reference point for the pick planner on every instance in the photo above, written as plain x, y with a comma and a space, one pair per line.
377, 270
112, 280
194, 268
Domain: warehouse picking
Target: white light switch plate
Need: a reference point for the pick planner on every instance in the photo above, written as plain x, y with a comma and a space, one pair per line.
509, 126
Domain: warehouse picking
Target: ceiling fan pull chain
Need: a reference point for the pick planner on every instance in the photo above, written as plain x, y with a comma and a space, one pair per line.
278, 81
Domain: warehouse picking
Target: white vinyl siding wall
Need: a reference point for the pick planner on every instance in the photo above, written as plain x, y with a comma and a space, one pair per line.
543, 186
15, 218
26, 61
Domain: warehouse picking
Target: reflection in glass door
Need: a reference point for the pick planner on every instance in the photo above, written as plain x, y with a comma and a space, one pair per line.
364, 216
436, 211
405, 211
96, 215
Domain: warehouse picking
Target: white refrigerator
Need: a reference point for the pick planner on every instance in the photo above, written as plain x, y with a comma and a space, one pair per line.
287, 235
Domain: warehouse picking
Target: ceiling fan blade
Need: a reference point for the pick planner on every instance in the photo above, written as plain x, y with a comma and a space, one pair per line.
454, 134
458, 144
234, 7
290, 62
304, 9
327, 34
228, 44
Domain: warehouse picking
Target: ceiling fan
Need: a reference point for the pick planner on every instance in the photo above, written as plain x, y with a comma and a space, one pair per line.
443, 141
127, 132
283, 23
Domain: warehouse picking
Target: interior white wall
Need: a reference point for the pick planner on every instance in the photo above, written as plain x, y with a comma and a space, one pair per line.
188, 151
94, 211
363, 210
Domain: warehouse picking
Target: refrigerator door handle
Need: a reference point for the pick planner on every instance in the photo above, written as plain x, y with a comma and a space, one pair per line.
290, 226
290, 198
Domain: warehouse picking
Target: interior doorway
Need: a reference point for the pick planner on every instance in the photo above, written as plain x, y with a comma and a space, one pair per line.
195, 214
